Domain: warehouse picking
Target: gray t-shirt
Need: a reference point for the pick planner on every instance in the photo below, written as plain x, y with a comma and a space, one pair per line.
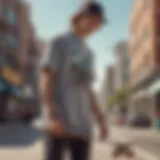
73, 63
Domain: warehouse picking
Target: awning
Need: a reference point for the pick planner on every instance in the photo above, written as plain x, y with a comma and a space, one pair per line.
155, 87
149, 91
141, 94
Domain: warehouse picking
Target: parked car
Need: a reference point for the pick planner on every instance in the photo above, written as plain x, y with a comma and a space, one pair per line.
140, 120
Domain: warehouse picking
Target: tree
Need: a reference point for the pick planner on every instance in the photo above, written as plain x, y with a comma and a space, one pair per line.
111, 100
121, 96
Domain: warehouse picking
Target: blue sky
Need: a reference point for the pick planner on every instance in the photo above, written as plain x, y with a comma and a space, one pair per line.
52, 16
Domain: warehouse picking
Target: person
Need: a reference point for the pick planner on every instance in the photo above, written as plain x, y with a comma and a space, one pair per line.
66, 79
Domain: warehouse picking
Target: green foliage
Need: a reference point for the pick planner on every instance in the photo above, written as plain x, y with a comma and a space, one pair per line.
111, 100
121, 96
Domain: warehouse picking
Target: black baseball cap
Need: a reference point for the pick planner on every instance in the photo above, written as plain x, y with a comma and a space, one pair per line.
95, 8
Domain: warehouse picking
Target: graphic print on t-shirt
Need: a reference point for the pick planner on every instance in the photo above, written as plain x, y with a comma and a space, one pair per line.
81, 67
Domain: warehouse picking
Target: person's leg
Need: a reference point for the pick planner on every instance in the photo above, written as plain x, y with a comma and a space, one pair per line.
80, 149
54, 148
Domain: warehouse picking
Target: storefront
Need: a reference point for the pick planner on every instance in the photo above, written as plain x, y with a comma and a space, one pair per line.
142, 103
147, 101
155, 93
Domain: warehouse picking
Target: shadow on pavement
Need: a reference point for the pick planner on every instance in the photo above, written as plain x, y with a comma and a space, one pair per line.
18, 135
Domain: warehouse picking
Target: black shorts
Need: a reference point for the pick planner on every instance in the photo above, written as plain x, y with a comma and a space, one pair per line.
55, 148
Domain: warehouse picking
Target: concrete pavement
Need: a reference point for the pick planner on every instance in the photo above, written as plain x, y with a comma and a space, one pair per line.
146, 141
19, 142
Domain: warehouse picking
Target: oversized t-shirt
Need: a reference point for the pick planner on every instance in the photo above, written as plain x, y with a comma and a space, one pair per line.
72, 62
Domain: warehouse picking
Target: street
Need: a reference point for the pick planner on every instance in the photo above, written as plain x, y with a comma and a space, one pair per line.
25, 142
21, 142
17, 141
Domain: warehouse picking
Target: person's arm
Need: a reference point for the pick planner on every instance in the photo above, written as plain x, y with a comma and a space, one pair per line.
49, 66
100, 119
94, 103
96, 109
53, 124
47, 81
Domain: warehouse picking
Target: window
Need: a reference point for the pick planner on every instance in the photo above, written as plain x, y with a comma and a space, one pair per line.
10, 16
11, 41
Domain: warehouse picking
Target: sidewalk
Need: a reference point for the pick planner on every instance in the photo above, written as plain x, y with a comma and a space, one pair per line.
104, 149
145, 140
101, 150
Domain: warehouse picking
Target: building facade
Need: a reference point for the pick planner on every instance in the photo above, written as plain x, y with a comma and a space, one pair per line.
121, 65
110, 80
17, 45
108, 86
144, 48
14, 34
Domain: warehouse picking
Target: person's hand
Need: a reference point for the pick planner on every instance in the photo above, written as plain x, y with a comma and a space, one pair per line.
55, 128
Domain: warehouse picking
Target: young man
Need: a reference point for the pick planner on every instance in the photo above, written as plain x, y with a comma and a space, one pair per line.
66, 79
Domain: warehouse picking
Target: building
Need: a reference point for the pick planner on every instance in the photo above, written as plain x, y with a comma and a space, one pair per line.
121, 65
144, 55
14, 34
31, 71
110, 80
30, 57
121, 73
41, 44
14, 43
108, 87
25, 30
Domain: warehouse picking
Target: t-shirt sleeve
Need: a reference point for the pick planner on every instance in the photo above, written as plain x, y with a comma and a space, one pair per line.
49, 59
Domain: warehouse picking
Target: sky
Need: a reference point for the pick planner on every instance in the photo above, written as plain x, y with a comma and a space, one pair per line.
52, 16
